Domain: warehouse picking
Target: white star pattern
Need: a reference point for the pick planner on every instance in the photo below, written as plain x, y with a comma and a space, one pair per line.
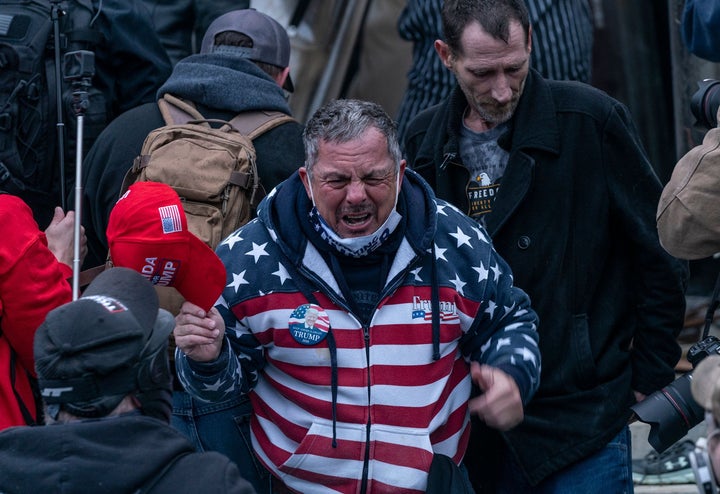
257, 251
459, 284
440, 253
232, 240
482, 272
491, 308
527, 355
416, 273
441, 210
214, 386
481, 234
462, 239
496, 272
501, 342
282, 273
238, 279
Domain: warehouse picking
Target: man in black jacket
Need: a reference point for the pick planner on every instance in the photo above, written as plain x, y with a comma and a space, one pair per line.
227, 77
103, 373
557, 174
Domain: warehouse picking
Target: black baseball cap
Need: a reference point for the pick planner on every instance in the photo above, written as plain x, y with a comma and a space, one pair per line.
89, 352
271, 44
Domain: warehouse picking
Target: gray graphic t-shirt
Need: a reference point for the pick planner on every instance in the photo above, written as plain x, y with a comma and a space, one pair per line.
486, 161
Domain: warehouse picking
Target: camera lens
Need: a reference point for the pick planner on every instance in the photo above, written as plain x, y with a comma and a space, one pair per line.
671, 412
705, 102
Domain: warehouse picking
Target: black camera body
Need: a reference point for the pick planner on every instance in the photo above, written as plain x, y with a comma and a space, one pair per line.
672, 411
705, 102
78, 65
707, 346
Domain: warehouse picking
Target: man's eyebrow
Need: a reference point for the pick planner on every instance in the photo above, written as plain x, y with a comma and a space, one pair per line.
333, 175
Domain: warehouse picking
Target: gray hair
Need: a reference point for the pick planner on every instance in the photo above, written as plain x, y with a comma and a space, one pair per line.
344, 120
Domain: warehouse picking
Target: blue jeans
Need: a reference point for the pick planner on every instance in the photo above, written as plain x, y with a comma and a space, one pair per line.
222, 427
608, 471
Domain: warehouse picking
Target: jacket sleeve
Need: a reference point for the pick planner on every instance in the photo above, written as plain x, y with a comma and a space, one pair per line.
688, 215
32, 281
659, 278
234, 371
504, 332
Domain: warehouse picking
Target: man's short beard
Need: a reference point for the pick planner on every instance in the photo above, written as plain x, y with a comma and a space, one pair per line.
495, 118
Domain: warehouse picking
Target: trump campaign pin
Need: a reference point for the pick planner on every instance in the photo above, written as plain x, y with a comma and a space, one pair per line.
309, 324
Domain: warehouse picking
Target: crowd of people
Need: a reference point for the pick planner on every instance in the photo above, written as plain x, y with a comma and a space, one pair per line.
468, 299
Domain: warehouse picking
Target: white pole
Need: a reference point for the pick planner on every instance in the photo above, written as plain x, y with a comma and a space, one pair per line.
78, 206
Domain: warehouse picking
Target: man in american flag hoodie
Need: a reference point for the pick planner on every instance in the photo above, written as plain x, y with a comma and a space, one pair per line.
358, 314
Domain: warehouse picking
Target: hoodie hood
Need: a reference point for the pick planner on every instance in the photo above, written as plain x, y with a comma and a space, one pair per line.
231, 83
109, 455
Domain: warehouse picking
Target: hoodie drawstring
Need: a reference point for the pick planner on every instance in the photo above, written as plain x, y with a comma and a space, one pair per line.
435, 307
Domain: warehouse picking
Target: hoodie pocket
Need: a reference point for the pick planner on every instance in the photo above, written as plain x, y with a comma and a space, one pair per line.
399, 457
582, 357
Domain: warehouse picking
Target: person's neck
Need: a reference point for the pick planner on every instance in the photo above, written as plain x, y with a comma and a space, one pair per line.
475, 122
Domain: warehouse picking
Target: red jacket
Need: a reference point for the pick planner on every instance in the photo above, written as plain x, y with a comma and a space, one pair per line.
32, 282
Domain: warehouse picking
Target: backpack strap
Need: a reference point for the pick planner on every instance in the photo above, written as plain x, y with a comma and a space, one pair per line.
178, 111
250, 123
256, 123
253, 124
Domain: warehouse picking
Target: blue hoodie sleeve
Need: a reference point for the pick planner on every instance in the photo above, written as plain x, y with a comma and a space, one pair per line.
504, 333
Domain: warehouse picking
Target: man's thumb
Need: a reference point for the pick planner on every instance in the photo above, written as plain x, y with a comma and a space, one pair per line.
482, 375
58, 215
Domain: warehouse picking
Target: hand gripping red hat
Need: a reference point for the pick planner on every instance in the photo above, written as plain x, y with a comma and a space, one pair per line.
148, 232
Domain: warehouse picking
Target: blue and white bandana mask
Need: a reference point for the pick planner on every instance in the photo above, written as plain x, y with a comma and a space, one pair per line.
356, 246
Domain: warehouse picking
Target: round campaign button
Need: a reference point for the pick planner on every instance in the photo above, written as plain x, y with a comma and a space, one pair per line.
309, 324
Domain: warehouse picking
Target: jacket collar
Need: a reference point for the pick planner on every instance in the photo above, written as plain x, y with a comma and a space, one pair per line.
533, 126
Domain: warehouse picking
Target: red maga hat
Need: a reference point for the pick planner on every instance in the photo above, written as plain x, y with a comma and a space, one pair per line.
148, 232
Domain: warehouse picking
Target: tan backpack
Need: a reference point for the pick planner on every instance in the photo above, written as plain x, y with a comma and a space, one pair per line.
212, 169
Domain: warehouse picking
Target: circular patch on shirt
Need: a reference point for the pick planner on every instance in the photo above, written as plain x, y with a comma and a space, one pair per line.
309, 324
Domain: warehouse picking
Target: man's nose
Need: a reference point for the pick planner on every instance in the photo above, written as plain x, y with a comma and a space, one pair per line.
502, 92
356, 191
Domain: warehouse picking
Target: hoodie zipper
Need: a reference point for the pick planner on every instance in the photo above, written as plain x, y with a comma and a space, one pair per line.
366, 461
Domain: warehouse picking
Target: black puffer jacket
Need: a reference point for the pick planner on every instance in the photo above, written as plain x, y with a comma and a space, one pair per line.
575, 219
115, 455
221, 87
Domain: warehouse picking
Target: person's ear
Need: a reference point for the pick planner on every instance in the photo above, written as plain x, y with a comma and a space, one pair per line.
282, 76
529, 40
444, 52
305, 178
